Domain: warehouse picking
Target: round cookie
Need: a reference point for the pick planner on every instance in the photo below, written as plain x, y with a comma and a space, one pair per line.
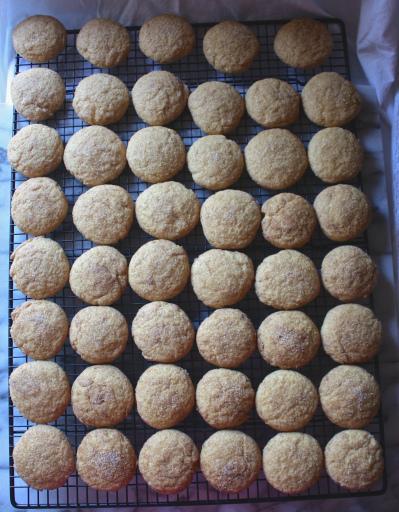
168, 461
165, 395
288, 339
303, 43
286, 400
159, 97
330, 100
287, 280
159, 270
40, 390
226, 338
272, 103
38, 206
95, 155
56, 460
292, 462
99, 334
225, 398
216, 107
37, 93
230, 219
163, 332
349, 396
39, 38
275, 159
104, 214
351, 449
348, 273
166, 38
221, 278
156, 154
351, 334
35, 150
99, 276
230, 47
102, 396
343, 212
39, 267
167, 210
230, 460
103, 42
335, 155
289, 221
101, 99
215, 162
39, 328
105, 459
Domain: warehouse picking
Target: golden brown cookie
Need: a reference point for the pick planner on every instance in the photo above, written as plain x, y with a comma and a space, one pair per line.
165, 395
40, 390
216, 107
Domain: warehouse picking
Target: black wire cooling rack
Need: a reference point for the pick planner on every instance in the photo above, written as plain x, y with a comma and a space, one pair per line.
193, 70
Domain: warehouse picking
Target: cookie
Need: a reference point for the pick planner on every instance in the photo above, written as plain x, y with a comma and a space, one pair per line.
168, 461
159, 270
221, 278
303, 43
39, 268
95, 155
99, 334
35, 150
287, 280
224, 398
349, 396
288, 339
167, 210
39, 38
102, 396
216, 107
230, 460
289, 221
37, 93
230, 219
166, 38
275, 159
40, 390
226, 338
99, 276
354, 449
39, 328
163, 332
100, 99
292, 462
348, 273
104, 214
38, 206
343, 212
159, 97
165, 395
215, 162
330, 100
43, 457
286, 400
156, 154
335, 155
230, 47
105, 459
351, 334
103, 42
272, 103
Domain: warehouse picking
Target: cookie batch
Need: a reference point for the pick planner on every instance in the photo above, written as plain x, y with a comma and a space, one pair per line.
164, 395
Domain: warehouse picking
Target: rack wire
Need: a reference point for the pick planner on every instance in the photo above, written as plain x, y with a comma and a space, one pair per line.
193, 70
